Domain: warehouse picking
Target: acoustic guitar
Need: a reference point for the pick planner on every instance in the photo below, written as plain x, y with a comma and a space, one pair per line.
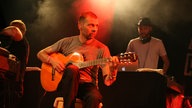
50, 78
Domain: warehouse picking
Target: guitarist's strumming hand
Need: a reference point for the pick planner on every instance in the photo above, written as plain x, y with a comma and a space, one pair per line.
56, 64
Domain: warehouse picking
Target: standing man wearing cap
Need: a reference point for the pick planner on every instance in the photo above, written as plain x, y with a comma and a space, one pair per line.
148, 48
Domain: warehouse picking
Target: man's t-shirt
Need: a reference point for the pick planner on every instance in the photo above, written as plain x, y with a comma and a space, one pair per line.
148, 53
94, 50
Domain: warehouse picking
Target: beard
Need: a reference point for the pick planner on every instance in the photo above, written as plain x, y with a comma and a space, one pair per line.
90, 36
144, 35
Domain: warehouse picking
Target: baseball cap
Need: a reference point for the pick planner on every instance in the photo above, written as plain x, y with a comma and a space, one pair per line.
144, 21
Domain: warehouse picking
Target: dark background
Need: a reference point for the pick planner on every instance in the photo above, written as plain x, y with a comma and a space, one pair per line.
50, 20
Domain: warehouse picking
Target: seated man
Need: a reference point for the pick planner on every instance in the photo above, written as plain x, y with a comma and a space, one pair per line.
79, 82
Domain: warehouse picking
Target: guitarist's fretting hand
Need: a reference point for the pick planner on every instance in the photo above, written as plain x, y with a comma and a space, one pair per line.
111, 68
114, 62
56, 64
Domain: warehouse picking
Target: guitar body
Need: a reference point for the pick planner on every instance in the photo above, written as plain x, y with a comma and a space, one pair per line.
50, 81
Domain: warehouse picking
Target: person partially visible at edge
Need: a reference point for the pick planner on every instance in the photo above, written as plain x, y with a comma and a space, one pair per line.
21, 49
13, 39
82, 83
17, 44
147, 47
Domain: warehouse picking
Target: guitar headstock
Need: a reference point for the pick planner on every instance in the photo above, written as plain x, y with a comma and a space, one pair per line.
127, 57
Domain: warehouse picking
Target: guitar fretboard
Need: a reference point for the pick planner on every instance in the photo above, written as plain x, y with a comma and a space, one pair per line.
92, 63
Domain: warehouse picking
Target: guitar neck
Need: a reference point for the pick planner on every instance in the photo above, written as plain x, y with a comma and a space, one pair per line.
92, 63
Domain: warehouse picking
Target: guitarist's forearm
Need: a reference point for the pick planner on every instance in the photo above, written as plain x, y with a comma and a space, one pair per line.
108, 80
43, 56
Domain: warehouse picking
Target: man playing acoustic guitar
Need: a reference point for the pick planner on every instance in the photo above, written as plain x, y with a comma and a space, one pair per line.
76, 70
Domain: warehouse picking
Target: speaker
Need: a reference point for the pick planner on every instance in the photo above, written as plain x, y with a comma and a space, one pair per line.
135, 90
32, 88
187, 86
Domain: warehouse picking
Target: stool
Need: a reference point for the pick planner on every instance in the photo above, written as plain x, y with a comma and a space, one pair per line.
58, 103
